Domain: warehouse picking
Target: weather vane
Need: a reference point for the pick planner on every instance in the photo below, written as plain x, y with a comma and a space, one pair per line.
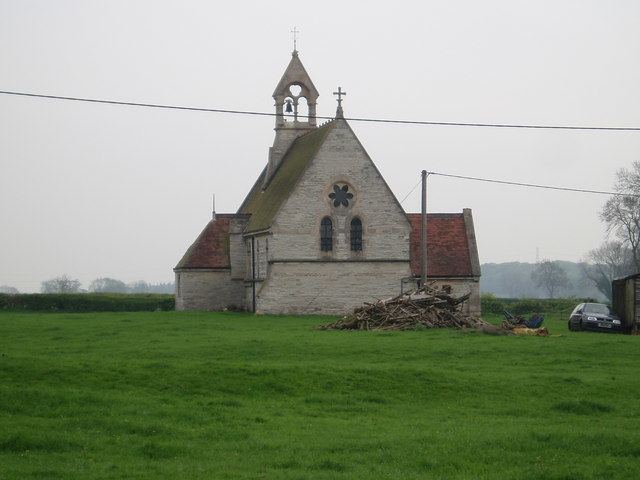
295, 32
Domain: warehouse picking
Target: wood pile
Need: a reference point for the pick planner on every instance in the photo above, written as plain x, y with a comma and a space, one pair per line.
427, 307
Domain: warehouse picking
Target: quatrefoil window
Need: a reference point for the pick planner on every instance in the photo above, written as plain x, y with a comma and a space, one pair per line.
340, 195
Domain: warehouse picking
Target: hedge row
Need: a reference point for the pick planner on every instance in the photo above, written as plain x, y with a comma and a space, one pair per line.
523, 306
149, 302
87, 302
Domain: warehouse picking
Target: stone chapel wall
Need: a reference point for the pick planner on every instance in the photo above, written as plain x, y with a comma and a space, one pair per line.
304, 279
341, 160
208, 290
462, 286
330, 288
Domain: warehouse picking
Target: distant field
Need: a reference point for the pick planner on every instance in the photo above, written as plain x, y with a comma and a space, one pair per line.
152, 395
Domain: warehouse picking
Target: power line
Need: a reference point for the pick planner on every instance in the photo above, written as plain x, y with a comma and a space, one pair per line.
410, 191
533, 185
244, 112
353, 119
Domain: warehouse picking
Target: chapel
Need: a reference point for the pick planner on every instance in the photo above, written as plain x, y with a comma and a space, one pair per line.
320, 231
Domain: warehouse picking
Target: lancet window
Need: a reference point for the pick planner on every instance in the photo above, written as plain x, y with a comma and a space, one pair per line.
326, 235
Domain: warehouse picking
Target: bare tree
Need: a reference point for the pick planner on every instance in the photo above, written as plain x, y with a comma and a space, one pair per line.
550, 276
8, 290
61, 284
110, 285
609, 261
621, 213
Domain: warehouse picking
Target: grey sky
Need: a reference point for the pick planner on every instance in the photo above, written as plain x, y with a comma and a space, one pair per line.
95, 190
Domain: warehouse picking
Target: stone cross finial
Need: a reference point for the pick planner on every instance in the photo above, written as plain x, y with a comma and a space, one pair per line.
339, 94
295, 32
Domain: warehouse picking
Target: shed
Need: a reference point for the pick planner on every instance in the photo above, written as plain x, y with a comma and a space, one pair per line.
626, 300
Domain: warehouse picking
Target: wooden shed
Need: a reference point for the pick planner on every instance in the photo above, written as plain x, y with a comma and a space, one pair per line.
626, 301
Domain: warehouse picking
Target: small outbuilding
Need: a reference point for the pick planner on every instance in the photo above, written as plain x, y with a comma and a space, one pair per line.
626, 300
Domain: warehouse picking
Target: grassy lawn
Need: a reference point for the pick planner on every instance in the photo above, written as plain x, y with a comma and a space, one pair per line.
201, 395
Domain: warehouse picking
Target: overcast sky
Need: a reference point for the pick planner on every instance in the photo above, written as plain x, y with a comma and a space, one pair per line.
96, 190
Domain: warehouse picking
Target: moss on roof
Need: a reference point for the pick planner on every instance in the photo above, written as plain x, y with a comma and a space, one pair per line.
263, 205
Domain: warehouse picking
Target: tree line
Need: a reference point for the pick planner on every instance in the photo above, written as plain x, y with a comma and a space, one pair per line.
66, 284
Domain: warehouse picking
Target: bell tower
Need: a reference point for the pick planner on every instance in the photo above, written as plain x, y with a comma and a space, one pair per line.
295, 101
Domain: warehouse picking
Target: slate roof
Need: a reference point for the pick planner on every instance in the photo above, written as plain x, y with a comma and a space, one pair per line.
448, 248
263, 205
211, 248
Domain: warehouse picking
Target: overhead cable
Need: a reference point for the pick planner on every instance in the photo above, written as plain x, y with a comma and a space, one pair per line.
410, 191
353, 119
533, 185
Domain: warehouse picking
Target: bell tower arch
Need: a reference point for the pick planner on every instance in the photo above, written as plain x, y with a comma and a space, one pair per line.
294, 86
294, 91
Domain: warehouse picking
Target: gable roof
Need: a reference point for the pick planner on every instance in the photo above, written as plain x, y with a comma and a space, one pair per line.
263, 205
211, 248
450, 251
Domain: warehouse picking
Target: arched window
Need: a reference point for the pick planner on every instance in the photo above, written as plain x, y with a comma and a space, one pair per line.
326, 235
356, 235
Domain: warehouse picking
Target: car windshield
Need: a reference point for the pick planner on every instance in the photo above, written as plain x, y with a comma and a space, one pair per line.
596, 308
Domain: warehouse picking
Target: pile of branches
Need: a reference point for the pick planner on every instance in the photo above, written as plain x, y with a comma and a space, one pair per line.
427, 307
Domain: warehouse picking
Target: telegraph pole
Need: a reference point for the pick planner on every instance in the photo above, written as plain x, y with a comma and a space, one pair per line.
423, 232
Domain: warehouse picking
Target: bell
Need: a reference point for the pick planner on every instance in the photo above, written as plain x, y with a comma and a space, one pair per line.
289, 108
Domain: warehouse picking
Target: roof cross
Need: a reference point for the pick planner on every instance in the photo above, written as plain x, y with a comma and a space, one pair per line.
339, 94
295, 32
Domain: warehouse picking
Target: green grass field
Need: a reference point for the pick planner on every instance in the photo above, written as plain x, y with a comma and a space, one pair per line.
200, 395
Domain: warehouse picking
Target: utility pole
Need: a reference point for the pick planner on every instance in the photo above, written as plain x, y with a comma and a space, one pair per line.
423, 232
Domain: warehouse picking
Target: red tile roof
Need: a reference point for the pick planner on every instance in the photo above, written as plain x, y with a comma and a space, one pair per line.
448, 250
447, 245
211, 248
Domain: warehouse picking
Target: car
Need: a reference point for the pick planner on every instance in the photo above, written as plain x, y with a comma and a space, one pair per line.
594, 316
